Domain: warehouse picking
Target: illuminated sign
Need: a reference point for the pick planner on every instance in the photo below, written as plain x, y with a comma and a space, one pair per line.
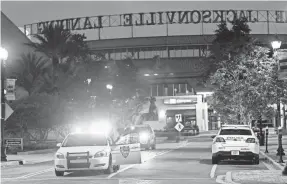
160, 18
173, 101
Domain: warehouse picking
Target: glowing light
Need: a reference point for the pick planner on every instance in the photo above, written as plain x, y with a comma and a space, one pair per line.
276, 44
3, 53
101, 127
162, 114
109, 86
146, 74
144, 137
78, 130
155, 74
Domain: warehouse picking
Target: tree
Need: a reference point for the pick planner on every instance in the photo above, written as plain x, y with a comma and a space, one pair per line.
243, 76
66, 50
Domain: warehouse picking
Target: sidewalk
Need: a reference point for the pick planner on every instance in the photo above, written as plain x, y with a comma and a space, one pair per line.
259, 177
27, 159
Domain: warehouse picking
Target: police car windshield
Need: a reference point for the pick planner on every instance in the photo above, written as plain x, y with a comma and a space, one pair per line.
75, 140
235, 132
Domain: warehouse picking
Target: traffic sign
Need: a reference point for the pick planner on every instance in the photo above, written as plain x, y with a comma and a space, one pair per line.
178, 118
8, 111
179, 127
10, 89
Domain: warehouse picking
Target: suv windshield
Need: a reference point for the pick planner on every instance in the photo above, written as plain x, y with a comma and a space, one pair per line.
85, 140
235, 132
137, 130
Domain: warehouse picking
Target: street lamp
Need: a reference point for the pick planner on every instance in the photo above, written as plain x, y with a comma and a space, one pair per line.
276, 44
3, 57
110, 88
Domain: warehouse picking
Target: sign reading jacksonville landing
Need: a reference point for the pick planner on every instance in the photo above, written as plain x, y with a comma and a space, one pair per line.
160, 18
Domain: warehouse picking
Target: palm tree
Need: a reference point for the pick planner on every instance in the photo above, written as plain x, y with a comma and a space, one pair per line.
64, 48
34, 70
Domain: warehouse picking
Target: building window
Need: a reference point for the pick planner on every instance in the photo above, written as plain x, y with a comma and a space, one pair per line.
196, 52
154, 90
141, 55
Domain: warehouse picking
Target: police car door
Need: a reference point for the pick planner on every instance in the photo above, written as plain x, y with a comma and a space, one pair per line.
126, 150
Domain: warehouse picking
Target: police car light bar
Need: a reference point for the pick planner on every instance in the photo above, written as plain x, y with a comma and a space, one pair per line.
249, 126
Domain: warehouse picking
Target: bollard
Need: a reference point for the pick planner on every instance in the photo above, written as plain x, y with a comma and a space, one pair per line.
280, 151
266, 141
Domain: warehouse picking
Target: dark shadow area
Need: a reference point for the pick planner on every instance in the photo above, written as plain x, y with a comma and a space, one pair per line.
205, 161
85, 174
192, 150
179, 159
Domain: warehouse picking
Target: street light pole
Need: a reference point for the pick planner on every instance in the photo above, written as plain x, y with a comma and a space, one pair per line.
110, 88
3, 57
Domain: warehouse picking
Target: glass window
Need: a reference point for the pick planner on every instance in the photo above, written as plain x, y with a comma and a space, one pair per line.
148, 54
177, 53
160, 90
235, 132
170, 89
141, 55
184, 53
154, 90
189, 53
196, 52
75, 140
176, 88
164, 54
171, 52
113, 56
118, 56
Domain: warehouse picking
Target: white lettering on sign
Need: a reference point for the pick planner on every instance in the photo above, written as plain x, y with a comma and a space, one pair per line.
178, 118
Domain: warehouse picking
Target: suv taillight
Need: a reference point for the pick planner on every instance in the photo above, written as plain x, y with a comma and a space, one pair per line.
219, 139
250, 140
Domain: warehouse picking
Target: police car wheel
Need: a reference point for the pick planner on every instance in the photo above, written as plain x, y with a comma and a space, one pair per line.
110, 168
59, 173
214, 160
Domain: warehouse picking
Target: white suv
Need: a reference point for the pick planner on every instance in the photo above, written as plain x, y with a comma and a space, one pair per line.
235, 142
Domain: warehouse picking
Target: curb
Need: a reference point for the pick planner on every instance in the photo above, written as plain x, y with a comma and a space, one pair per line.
37, 152
228, 178
272, 161
12, 163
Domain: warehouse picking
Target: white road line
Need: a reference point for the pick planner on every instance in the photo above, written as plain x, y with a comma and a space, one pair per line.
35, 173
161, 153
269, 166
220, 179
121, 170
212, 172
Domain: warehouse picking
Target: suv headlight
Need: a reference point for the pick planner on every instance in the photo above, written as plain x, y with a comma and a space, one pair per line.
59, 155
101, 154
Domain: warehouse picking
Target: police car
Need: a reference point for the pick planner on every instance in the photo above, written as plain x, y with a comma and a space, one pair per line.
236, 142
95, 151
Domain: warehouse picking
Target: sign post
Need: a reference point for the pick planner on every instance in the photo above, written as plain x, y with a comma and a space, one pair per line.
178, 126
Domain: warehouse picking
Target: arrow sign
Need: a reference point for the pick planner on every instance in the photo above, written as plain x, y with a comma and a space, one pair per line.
178, 118
8, 111
179, 127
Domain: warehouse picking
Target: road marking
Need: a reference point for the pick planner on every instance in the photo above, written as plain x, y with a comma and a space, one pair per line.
269, 167
35, 173
161, 153
213, 169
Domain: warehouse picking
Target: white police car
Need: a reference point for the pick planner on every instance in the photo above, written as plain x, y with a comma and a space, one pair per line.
236, 142
95, 151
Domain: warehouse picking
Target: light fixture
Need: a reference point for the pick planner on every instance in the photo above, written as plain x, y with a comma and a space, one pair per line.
155, 74
276, 44
109, 86
146, 74
3, 53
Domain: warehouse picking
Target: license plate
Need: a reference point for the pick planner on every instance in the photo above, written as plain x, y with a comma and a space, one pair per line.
78, 161
234, 152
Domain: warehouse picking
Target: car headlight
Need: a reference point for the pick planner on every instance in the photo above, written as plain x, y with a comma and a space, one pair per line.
144, 136
101, 154
60, 155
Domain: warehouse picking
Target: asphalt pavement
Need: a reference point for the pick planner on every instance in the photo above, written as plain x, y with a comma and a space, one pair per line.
169, 163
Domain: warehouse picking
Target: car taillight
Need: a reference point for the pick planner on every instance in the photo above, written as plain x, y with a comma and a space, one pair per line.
250, 140
219, 139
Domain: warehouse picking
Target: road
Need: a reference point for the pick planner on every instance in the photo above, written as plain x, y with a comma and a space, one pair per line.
170, 163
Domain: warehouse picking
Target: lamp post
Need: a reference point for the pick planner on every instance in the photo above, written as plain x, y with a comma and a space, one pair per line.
276, 44
110, 88
3, 57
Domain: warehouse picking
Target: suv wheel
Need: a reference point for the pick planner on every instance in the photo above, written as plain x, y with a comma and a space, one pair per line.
59, 173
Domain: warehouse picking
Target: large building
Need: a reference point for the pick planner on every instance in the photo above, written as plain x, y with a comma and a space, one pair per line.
174, 65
